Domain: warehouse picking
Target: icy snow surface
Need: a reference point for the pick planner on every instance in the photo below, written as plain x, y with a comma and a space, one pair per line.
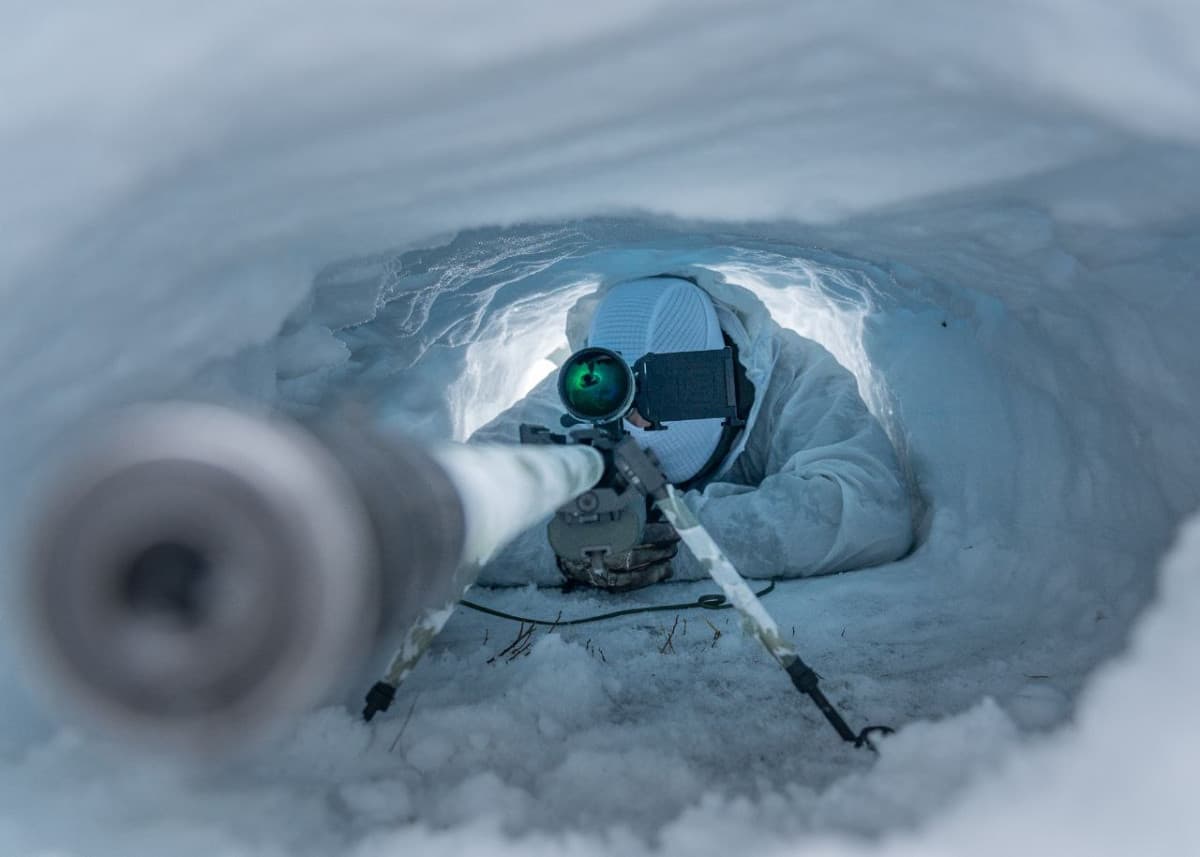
989, 212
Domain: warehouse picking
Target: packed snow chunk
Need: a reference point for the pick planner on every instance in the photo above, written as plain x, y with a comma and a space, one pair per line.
921, 769
380, 801
349, 293
561, 680
485, 795
604, 779
308, 349
1038, 705
429, 753
327, 743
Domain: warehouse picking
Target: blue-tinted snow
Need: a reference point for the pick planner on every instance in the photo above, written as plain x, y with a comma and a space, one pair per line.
178, 178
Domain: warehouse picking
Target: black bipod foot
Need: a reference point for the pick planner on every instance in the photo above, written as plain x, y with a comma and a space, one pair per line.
864, 737
379, 698
806, 680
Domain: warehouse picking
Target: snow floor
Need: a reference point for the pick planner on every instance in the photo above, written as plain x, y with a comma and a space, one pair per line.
993, 222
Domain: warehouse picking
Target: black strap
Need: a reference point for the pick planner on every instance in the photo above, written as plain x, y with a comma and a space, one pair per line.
745, 391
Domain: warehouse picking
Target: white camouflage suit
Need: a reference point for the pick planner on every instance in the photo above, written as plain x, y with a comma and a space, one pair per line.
811, 486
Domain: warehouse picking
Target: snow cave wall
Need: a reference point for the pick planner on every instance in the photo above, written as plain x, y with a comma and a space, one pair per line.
990, 215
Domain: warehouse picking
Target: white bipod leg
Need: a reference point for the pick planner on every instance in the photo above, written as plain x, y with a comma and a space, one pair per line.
738, 593
755, 617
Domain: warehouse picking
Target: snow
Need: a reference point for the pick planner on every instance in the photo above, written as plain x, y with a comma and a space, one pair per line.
988, 213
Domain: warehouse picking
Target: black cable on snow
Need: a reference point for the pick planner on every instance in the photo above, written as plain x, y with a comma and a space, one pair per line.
804, 678
710, 601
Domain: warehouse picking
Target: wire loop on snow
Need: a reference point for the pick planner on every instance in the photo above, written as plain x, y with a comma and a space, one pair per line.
864, 737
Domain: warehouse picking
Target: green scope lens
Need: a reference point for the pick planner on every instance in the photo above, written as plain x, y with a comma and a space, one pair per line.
596, 385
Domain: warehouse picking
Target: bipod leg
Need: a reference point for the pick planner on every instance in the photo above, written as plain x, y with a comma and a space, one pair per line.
805, 679
379, 698
756, 617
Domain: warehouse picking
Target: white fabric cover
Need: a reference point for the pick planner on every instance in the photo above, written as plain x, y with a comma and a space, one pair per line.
812, 486
660, 315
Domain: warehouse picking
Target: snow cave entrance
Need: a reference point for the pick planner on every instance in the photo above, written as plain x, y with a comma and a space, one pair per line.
1009, 600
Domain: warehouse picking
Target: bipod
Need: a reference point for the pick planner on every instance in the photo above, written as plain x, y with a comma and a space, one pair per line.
641, 470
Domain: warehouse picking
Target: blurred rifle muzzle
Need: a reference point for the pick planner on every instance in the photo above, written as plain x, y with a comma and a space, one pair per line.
198, 574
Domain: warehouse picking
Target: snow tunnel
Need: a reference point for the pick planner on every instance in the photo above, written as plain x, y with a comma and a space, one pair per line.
991, 221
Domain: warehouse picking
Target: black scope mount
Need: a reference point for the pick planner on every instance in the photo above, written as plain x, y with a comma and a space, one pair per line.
663, 388
688, 385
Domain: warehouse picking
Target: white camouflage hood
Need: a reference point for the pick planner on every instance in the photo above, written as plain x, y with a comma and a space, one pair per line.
739, 313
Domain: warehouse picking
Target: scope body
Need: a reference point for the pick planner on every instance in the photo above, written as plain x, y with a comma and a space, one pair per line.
596, 385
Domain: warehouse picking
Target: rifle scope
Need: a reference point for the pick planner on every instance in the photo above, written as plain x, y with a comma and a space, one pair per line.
596, 386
